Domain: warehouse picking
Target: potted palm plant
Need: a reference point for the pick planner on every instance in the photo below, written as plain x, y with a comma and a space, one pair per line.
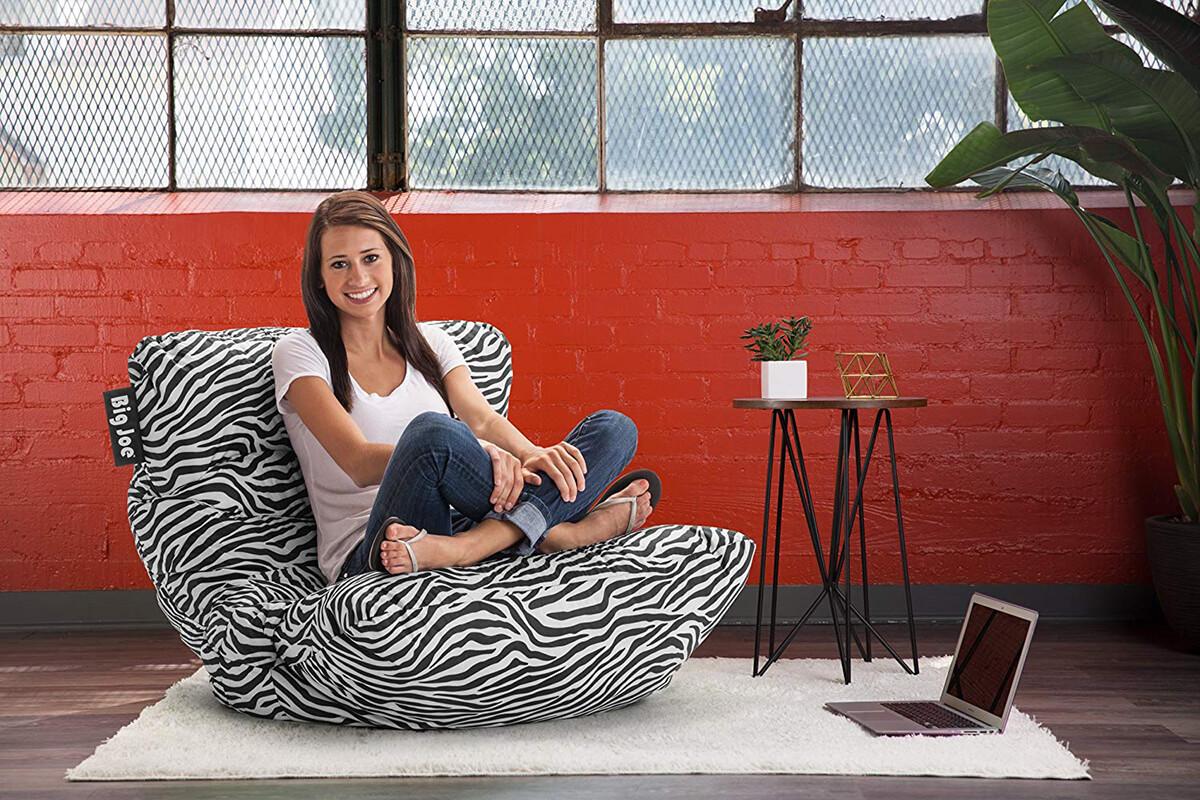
781, 349
1137, 127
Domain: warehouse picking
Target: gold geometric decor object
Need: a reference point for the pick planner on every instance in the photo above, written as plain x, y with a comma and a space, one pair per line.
866, 375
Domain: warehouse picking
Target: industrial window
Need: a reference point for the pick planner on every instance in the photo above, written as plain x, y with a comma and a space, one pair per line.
540, 95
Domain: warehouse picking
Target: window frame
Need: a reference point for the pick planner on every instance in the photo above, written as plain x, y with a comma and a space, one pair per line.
386, 37
796, 29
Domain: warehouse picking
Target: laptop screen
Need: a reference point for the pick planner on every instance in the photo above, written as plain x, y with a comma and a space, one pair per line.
987, 660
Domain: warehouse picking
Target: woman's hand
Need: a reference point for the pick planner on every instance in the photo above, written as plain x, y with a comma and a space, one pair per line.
509, 476
563, 463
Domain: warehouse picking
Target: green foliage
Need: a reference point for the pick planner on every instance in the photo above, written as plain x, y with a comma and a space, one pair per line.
775, 342
1133, 126
1158, 28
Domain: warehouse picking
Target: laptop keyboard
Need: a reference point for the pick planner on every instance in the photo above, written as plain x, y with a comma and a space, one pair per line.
932, 715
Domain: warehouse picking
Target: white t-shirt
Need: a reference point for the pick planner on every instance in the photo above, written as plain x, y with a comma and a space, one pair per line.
341, 508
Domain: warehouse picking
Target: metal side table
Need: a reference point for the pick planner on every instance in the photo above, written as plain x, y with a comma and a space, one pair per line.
846, 506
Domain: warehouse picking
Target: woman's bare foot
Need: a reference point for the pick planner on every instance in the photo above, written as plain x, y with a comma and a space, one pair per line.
600, 524
432, 552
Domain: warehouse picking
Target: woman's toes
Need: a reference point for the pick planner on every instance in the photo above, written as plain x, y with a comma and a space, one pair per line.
396, 559
644, 509
431, 552
393, 554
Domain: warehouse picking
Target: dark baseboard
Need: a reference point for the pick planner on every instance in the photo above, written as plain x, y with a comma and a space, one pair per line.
948, 602
92, 610
137, 608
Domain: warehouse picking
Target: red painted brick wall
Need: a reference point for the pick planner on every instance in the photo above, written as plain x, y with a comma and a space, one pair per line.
1036, 462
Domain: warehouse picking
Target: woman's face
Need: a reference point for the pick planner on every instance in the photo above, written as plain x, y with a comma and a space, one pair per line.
354, 261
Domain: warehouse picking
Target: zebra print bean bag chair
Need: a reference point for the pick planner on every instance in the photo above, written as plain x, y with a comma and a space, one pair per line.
223, 524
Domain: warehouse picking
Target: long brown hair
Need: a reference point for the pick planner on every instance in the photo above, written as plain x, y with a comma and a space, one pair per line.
400, 309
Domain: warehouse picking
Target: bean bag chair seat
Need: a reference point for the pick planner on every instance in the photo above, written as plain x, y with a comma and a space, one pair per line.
222, 522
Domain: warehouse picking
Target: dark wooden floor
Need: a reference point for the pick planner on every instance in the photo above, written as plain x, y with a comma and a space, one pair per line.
1117, 693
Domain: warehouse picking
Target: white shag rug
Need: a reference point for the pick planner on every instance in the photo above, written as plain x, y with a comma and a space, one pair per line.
713, 718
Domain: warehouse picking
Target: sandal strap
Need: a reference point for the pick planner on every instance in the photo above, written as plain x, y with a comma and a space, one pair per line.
411, 554
632, 509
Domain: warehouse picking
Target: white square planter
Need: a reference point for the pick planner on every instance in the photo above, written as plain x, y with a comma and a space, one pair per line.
785, 380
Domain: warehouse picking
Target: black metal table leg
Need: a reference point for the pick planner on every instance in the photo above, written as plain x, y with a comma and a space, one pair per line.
848, 505
842, 562
778, 525
800, 475
862, 541
762, 569
839, 500
846, 515
912, 629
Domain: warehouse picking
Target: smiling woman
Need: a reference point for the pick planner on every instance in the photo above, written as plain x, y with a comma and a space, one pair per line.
395, 440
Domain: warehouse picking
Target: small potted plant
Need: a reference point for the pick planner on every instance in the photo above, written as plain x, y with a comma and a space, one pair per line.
781, 349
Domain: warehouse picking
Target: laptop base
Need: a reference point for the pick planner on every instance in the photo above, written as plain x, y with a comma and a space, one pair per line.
884, 722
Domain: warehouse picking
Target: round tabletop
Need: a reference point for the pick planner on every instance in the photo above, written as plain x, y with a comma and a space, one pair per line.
830, 402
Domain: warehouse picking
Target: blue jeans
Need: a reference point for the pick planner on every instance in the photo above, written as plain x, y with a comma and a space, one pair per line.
440, 478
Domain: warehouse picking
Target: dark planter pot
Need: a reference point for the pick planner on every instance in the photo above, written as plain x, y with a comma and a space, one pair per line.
1174, 552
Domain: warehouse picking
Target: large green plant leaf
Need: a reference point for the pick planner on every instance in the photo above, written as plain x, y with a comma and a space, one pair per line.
1028, 178
1158, 110
1172, 37
1026, 33
1126, 248
1155, 197
985, 147
1119, 246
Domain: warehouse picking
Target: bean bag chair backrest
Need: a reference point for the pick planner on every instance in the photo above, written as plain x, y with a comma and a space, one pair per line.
219, 497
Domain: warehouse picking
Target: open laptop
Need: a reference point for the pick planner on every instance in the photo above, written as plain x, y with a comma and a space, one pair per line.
980, 685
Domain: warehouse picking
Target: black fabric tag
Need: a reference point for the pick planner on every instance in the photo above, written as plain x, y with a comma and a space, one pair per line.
121, 413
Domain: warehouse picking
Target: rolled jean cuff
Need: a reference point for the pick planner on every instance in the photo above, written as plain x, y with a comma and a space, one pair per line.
530, 519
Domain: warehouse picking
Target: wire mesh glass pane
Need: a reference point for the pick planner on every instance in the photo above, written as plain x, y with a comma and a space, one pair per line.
270, 112
1101, 17
1148, 59
500, 112
83, 110
1186, 7
502, 15
891, 9
693, 10
700, 113
271, 15
881, 112
116, 13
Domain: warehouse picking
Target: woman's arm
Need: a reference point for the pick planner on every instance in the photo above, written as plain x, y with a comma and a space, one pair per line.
473, 409
336, 431
499, 431
562, 462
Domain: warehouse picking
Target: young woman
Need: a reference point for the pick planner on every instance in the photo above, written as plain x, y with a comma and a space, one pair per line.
395, 440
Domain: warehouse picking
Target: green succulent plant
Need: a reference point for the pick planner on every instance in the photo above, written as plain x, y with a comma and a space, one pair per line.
772, 341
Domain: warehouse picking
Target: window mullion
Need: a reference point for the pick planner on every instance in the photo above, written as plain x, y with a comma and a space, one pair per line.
170, 30
1001, 98
399, 95
798, 144
385, 96
375, 147
603, 29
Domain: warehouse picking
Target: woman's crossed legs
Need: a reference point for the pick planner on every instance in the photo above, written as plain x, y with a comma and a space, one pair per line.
438, 464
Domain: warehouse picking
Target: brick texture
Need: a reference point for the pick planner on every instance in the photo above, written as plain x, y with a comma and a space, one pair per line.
1037, 460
